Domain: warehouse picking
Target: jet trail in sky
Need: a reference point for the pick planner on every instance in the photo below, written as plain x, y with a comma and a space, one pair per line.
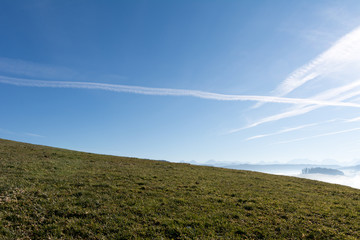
169, 92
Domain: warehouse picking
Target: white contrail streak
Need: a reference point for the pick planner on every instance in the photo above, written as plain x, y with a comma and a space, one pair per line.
338, 94
169, 92
357, 119
342, 53
282, 131
277, 117
320, 135
286, 130
345, 50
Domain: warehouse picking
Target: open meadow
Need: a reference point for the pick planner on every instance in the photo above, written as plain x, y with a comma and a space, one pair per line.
50, 193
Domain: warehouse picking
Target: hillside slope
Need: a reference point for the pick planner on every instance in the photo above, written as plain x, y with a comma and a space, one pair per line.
60, 194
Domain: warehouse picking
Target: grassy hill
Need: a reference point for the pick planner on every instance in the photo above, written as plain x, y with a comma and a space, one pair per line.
50, 193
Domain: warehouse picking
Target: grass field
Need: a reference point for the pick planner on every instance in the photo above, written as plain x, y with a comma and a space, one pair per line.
50, 193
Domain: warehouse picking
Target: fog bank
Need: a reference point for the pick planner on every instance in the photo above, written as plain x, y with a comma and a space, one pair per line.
350, 178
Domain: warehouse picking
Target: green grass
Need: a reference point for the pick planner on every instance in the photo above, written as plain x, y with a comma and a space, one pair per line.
50, 193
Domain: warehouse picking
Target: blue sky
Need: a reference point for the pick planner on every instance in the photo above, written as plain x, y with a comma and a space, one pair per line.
229, 81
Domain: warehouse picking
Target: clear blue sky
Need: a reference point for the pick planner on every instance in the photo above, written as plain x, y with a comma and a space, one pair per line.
232, 81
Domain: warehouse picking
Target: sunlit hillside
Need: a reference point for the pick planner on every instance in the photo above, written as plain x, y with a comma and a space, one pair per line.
50, 193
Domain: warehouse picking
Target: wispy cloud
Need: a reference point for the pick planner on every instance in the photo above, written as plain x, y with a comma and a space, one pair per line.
276, 117
342, 52
24, 134
291, 129
336, 94
169, 92
34, 135
30, 69
282, 131
320, 135
357, 119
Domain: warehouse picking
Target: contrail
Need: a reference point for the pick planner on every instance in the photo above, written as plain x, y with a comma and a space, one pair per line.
282, 131
338, 94
169, 92
291, 129
320, 135
277, 117
357, 119
345, 50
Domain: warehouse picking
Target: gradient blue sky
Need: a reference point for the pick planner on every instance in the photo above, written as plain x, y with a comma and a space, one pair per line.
231, 81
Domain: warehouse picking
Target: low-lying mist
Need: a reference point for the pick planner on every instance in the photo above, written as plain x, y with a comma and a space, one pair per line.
350, 178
